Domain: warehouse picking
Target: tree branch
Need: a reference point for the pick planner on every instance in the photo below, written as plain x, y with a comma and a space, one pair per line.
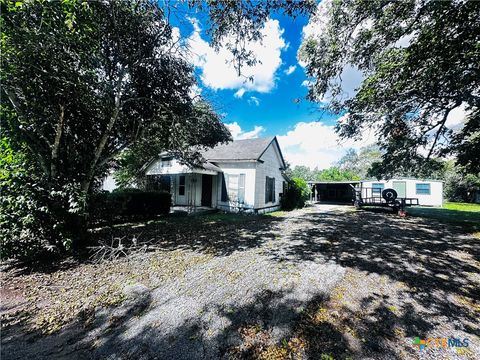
56, 143
103, 140
442, 125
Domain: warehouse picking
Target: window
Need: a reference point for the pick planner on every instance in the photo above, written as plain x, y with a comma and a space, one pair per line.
167, 161
233, 188
377, 189
422, 189
269, 189
181, 185
158, 183
241, 188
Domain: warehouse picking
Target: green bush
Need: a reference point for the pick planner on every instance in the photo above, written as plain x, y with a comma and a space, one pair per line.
295, 195
461, 187
29, 225
129, 204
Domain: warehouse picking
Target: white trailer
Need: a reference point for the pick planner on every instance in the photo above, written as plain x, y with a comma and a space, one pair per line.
428, 192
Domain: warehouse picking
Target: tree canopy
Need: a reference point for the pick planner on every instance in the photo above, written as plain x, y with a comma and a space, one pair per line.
84, 81
88, 80
420, 61
360, 162
87, 86
333, 173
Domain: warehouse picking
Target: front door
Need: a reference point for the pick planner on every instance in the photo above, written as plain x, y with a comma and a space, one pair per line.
207, 190
401, 188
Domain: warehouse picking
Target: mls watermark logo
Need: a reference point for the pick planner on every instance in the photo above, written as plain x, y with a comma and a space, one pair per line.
420, 343
440, 343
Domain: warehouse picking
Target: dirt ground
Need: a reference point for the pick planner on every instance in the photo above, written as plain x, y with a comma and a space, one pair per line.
324, 282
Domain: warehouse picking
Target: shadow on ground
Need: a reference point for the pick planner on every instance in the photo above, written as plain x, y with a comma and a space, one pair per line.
435, 263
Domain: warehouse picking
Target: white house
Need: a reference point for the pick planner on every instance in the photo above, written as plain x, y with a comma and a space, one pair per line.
428, 192
243, 175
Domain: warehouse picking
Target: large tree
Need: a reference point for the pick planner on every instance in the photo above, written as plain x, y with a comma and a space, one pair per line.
420, 61
82, 82
360, 162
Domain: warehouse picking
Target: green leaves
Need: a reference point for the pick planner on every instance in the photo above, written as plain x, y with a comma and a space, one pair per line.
85, 82
420, 60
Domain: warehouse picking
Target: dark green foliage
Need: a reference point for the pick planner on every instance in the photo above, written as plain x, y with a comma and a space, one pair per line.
302, 172
459, 185
336, 174
420, 60
417, 168
29, 224
296, 195
82, 82
360, 162
130, 204
330, 174
201, 128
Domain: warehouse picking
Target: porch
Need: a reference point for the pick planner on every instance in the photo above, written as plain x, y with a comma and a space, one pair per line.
193, 190
192, 210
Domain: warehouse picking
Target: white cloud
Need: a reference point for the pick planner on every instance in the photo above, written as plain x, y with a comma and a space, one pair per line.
254, 100
351, 77
456, 117
317, 24
239, 134
217, 72
306, 83
315, 144
195, 91
290, 69
239, 93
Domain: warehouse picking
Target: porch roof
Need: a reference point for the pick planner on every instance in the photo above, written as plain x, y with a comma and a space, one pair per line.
206, 168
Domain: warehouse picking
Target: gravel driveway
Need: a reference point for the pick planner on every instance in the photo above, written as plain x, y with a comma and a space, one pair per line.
317, 282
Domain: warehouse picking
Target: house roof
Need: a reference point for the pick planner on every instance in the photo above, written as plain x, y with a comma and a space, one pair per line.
209, 166
240, 150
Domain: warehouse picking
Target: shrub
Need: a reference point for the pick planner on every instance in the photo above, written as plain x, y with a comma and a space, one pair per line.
461, 187
129, 204
296, 194
29, 223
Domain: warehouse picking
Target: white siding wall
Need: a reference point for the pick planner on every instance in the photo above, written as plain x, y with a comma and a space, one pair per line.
270, 167
109, 183
436, 190
159, 167
247, 168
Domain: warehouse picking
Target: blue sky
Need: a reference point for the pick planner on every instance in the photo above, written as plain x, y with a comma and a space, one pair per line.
269, 105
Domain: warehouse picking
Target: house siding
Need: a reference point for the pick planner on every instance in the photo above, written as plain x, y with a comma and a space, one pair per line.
270, 166
247, 168
435, 198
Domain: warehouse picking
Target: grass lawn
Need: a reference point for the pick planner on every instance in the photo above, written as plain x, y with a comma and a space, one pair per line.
467, 215
462, 206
